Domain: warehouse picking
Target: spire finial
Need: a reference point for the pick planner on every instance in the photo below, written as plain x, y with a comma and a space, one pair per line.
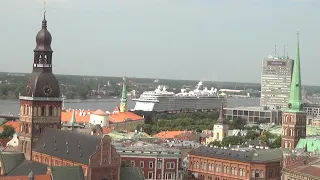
44, 9
44, 21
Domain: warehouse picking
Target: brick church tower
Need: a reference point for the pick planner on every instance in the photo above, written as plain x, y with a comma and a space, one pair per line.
40, 102
294, 119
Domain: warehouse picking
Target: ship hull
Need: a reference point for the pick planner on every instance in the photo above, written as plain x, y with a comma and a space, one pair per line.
165, 104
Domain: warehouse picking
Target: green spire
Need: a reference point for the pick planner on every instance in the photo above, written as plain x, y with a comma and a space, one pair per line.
73, 118
295, 100
123, 103
124, 91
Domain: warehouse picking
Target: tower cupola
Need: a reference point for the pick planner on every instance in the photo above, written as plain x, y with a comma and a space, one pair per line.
43, 37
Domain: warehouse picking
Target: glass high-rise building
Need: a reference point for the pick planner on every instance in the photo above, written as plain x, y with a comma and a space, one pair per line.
276, 81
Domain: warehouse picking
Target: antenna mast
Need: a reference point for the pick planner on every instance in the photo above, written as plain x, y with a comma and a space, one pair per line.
284, 51
275, 50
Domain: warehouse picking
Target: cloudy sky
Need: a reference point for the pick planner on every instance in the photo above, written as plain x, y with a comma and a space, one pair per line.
219, 40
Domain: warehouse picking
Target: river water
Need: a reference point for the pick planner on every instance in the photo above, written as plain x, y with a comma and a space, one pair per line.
12, 106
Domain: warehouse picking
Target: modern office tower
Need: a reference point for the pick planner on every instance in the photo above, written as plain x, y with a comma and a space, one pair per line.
275, 81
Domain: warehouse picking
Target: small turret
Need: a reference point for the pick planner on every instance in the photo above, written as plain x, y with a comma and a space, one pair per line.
123, 103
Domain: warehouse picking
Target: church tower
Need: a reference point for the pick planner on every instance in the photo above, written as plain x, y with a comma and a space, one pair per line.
123, 103
220, 129
294, 119
40, 102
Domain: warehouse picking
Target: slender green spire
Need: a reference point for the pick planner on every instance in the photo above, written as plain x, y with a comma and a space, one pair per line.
73, 118
123, 103
295, 100
124, 91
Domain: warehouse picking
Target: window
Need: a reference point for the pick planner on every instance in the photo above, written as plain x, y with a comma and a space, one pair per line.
141, 164
50, 110
132, 164
57, 163
169, 176
150, 175
43, 111
150, 164
159, 165
170, 165
257, 173
46, 161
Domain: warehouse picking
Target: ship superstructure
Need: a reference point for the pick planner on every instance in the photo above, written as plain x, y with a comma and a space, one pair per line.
161, 100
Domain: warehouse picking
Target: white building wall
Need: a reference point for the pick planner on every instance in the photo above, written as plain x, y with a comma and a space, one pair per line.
102, 120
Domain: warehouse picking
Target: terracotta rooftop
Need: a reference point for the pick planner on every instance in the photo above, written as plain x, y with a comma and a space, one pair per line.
309, 168
118, 117
100, 112
81, 116
14, 124
168, 134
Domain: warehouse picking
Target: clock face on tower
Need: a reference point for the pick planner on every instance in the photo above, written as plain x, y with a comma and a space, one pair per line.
47, 90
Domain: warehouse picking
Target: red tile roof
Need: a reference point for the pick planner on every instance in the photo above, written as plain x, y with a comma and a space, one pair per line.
37, 177
312, 167
82, 116
118, 117
100, 112
14, 124
168, 134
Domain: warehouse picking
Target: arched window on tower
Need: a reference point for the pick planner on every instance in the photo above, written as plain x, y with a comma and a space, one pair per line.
50, 110
21, 109
291, 132
43, 110
54, 111
286, 132
25, 110
35, 111
40, 59
45, 59
297, 132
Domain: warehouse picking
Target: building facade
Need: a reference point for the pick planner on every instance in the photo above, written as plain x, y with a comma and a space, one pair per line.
156, 162
254, 114
208, 163
294, 118
276, 81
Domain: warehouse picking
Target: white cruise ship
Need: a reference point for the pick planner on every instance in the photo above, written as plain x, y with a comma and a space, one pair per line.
161, 100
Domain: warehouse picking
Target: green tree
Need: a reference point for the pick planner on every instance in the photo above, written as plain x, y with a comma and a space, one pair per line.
252, 135
232, 140
8, 131
238, 123
215, 143
276, 143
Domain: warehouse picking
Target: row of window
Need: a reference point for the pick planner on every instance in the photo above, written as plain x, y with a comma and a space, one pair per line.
166, 176
169, 165
219, 168
290, 132
40, 111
